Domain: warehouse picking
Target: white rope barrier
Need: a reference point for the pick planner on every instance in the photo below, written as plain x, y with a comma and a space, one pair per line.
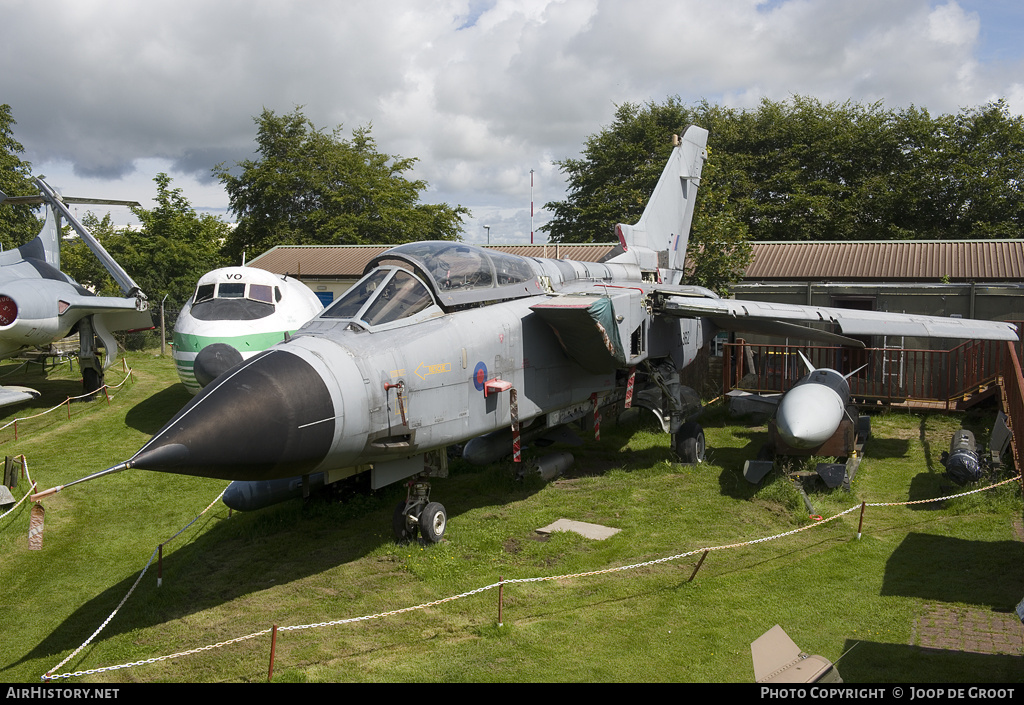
125, 599
51, 676
105, 388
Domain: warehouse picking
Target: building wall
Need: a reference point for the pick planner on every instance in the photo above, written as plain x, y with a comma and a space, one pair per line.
328, 290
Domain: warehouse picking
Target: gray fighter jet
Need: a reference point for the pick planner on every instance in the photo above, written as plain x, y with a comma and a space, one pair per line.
441, 343
39, 304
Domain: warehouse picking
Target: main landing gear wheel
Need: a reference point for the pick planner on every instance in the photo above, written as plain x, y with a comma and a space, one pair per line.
689, 443
433, 520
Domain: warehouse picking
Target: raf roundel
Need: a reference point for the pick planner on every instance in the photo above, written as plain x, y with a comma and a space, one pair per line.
9, 311
479, 376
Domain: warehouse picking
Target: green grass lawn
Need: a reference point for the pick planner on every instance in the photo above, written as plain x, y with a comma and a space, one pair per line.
294, 564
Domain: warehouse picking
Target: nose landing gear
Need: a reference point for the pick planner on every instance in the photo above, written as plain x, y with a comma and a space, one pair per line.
417, 514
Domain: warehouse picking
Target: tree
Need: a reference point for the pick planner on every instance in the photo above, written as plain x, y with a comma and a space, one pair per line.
176, 245
803, 170
78, 261
18, 224
983, 155
719, 250
311, 187
618, 172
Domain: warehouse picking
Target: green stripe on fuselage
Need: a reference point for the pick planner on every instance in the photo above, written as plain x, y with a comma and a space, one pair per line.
253, 342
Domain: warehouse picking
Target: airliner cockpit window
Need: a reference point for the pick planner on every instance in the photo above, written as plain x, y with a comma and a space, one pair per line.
204, 292
231, 291
261, 292
231, 303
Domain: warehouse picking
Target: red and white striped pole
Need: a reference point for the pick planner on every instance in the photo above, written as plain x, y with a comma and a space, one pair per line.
629, 387
514, 413
531, 206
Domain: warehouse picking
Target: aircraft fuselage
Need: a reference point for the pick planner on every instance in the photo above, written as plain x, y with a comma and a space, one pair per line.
386, 374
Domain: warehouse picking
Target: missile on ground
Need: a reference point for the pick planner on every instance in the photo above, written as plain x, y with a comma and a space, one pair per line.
809, 414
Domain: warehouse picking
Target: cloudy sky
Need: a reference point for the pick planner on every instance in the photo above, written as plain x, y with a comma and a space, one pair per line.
108, 94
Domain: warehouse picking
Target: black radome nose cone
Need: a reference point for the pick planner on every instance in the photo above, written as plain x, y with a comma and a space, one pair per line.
213, 361
272, 417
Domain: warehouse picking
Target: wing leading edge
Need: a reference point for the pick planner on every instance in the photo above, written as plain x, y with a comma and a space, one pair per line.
789, 319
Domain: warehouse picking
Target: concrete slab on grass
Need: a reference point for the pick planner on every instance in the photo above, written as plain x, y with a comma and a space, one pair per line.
590, 531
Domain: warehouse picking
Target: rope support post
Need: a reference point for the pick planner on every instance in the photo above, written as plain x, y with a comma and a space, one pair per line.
699, 564
860, 525
501, 590
273, 649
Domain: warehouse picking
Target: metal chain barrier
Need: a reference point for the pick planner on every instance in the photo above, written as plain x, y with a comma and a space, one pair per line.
942, 499
500, 583
156, 550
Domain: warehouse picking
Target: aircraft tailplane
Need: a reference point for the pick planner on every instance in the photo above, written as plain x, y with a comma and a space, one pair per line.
658, 240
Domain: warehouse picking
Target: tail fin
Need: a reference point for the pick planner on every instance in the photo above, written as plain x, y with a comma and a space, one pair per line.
659, 239
807, 363
45, 246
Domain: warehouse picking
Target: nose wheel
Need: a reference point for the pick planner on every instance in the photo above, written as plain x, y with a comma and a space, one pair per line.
416, 514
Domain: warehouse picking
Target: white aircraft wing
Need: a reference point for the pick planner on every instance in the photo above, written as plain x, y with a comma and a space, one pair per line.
786, 319
85, 305
16, 395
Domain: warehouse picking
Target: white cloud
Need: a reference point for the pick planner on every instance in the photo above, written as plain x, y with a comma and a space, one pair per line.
480, 92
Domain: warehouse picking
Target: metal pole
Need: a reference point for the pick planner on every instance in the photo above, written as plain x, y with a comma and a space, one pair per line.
531, 206
163, 328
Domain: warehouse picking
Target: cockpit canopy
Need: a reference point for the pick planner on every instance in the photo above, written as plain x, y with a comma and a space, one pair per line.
407, 280
461, 275
386, 295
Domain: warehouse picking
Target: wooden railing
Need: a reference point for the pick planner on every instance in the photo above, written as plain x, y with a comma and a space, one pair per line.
889, 375
1011, 384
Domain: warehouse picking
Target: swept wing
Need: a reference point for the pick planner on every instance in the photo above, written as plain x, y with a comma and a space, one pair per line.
792, 320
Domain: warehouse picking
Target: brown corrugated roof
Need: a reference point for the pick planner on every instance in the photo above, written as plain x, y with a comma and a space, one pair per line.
318, 260
904, 260
578, 253
347, 261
